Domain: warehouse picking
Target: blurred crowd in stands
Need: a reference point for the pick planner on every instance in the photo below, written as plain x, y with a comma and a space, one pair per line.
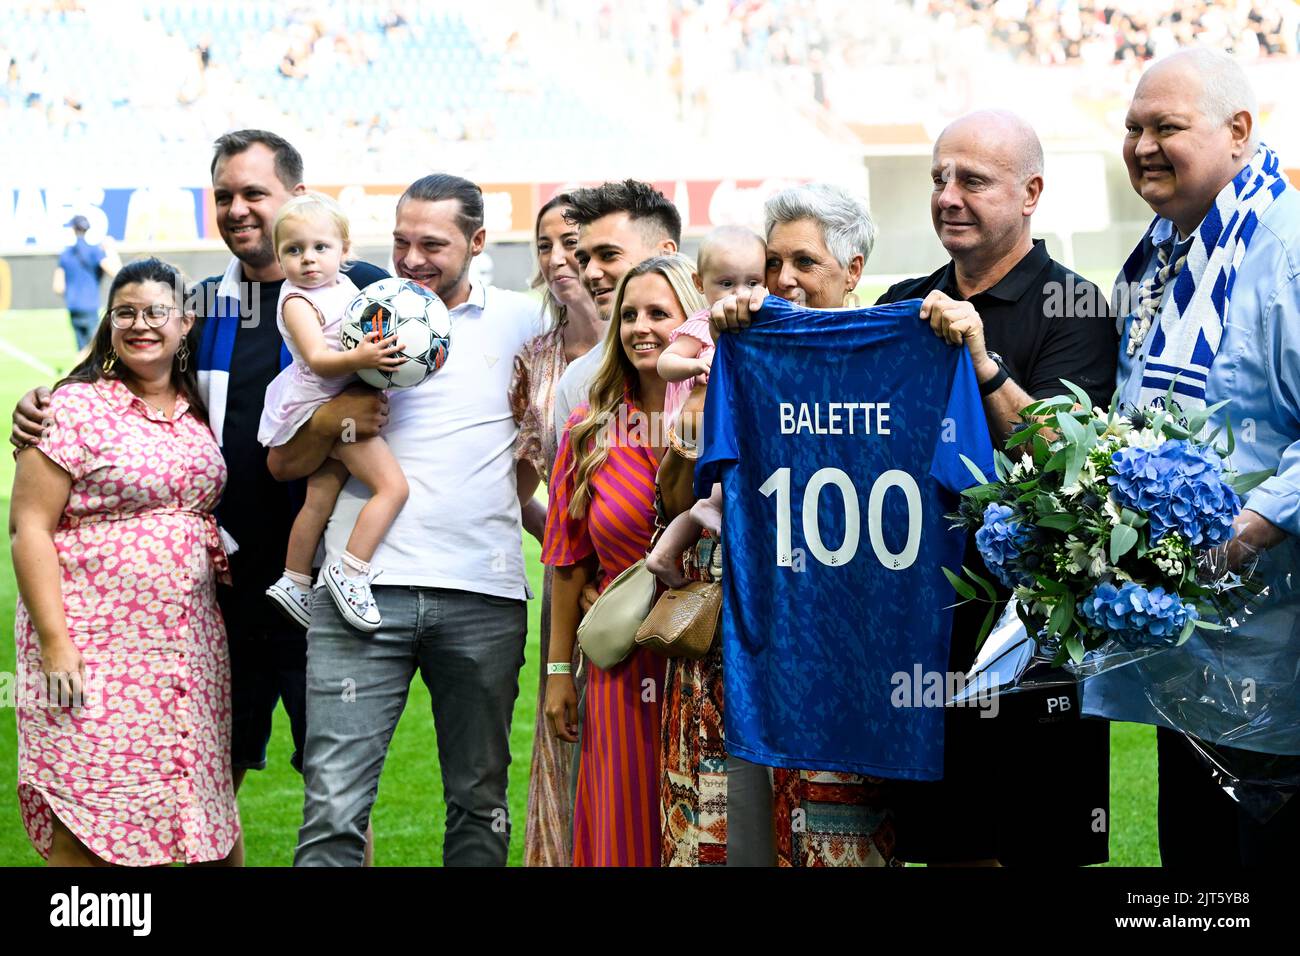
341, 73
1101, 31
800, 41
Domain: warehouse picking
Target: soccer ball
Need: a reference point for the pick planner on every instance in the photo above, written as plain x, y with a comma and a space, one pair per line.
414, 314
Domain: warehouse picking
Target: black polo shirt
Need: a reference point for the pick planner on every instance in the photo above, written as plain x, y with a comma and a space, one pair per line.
1022, 788
257, 510
1046, 322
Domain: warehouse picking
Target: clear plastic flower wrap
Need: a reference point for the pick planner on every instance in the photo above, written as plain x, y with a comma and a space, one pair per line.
1115, 534
1244, 729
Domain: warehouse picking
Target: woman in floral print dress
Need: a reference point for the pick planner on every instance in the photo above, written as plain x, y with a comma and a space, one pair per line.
127, 759
575, 329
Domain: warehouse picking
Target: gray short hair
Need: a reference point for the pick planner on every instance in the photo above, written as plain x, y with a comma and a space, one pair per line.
1225, 89
844, 219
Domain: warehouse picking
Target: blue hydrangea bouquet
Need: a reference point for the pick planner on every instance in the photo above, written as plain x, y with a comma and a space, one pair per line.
1105, 526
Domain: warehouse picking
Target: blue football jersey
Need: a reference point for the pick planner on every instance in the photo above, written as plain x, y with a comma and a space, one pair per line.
837, 436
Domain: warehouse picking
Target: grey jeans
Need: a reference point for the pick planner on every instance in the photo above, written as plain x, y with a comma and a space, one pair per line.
468, 649
750, 839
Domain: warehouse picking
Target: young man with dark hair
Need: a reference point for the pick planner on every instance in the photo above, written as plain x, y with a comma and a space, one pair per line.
619, 225
644, 205
288, 161
254, 172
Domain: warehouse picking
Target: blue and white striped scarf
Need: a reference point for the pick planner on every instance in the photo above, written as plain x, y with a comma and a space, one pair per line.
1187, 325
217, 345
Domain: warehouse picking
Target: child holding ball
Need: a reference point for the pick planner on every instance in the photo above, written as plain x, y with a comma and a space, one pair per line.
311, 240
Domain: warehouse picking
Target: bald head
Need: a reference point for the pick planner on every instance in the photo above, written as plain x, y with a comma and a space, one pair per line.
1003, 134
1221, 84
1189, 129
987, 174
729, 238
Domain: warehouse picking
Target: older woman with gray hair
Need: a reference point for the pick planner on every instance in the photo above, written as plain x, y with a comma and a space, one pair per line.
818, 239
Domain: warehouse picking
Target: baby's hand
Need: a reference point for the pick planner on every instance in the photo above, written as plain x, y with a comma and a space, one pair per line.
379, 353
706, 363
708, 511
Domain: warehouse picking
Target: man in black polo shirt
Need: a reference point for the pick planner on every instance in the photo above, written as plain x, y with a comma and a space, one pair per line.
1026, 785
254, 172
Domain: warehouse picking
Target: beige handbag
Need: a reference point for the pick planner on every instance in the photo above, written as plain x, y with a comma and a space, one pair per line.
607, 631
685, 620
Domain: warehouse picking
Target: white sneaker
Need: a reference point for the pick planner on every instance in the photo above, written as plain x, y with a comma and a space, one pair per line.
353, 597
293, 599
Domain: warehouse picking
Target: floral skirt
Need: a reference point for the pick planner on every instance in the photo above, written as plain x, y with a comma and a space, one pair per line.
831, 819
693, 771
693, 758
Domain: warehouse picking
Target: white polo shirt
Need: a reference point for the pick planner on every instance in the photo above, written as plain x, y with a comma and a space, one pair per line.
454, 436
575, 383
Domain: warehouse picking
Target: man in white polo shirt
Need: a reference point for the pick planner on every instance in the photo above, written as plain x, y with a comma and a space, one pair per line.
453, 591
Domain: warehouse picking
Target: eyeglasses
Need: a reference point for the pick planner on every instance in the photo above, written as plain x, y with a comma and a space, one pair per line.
155, 316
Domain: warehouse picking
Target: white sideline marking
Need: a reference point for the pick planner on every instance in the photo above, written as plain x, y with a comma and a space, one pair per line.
31, 361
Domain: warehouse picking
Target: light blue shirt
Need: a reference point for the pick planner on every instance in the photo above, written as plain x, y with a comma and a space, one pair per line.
1254, 669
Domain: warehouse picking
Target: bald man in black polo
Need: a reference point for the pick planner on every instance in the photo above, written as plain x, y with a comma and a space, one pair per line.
1029, 785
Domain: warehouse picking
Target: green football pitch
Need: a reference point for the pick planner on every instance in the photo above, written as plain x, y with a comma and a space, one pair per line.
37, 345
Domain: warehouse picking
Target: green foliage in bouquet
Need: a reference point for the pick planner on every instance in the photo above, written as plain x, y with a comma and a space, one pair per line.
1101, 523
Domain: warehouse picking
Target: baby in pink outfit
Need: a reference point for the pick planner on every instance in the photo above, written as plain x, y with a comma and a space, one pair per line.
730, 258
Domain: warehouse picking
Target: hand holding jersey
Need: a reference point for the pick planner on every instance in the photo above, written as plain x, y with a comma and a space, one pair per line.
732, 312
958, 323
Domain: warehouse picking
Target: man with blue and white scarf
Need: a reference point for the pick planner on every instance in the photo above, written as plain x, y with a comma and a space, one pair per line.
1210, 304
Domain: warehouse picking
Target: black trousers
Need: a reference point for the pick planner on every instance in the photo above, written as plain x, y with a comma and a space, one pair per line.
1200, 825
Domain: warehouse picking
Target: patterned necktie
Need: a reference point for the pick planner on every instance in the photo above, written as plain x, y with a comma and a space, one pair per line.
1150, 294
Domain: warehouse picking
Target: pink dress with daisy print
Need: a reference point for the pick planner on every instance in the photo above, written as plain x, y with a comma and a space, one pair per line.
140, 772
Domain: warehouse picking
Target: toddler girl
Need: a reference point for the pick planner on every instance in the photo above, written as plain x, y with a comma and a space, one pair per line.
310, 235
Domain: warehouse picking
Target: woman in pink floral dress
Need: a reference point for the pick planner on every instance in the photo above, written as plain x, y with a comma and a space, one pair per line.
124, 736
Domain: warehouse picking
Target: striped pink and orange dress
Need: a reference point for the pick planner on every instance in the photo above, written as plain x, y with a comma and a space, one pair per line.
616, 811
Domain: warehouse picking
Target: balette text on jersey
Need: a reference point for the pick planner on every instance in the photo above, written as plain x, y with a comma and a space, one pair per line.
834, 418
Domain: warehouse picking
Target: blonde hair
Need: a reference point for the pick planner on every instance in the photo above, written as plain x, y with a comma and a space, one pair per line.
724, 237
617, 375
311, 206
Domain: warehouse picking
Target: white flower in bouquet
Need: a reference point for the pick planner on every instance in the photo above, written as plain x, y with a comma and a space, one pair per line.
1144, 438
1170, 554
1086, 481
1078, 552
1111, 511
1087, 560
1022, 470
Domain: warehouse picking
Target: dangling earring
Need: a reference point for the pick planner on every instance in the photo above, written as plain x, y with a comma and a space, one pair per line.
109, 361
851, 299
183, 355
